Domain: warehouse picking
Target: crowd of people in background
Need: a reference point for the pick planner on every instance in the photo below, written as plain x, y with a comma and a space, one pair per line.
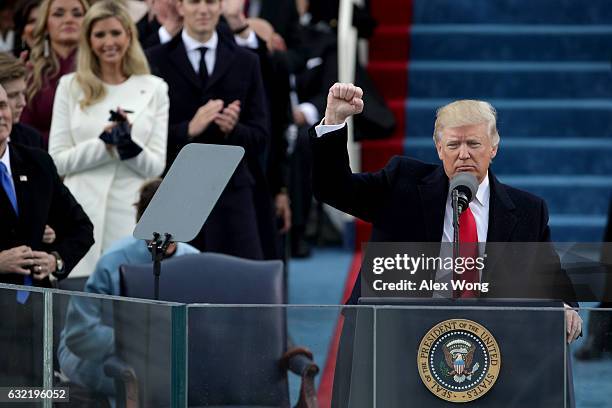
102, 95
62, 81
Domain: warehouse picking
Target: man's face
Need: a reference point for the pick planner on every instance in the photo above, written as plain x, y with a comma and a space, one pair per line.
200, 17
16, 93
6, 120
466, 149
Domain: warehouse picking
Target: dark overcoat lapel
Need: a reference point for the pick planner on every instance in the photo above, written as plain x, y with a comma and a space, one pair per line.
21, 178
502, 220
502, 223
433, 193
223, 61
178, 57
225, 55
20, 174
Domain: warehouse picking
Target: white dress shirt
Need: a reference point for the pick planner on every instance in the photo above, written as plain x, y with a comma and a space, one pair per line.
164, 35
480, 209
192, 47
7, 43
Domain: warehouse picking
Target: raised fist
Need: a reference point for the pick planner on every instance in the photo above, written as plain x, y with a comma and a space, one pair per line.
343, 100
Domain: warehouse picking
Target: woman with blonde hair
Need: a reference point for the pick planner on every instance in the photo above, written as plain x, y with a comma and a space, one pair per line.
105, 160
56, 36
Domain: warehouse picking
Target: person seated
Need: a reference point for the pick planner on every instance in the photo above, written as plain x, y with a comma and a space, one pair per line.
87, 339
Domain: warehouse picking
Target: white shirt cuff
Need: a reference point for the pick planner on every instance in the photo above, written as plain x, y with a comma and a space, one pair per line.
164, 35
249, 42
310, 112
323, 129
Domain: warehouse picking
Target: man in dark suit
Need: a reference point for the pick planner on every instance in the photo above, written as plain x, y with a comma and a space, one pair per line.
32, 196
217, 96
408, 200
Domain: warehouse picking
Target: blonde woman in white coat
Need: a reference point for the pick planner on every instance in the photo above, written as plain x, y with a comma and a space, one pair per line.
104, 175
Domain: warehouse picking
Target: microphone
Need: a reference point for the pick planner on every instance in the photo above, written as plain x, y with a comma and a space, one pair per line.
466, 186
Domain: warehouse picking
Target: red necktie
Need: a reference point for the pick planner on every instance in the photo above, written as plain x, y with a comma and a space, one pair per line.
468, 240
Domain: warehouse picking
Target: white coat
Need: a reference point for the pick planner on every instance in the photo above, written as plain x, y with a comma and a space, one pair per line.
106, 186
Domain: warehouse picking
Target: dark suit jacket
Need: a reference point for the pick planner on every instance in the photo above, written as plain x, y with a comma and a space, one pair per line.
148, 31
26, 135
406, 200
283, 16
236, 76
42, 199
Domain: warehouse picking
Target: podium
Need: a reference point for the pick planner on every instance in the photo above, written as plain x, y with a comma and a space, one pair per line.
440, 352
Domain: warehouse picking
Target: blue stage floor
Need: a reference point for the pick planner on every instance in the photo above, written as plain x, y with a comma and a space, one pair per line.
593, 379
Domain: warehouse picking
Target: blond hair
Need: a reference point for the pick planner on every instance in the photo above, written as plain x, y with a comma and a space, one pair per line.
43, 66
88, 70
466, 112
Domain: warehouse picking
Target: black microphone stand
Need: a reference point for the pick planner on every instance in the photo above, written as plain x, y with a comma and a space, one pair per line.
455, 204
158, 248
456, 212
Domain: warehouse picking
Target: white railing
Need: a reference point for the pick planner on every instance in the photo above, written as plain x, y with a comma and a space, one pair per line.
347, 58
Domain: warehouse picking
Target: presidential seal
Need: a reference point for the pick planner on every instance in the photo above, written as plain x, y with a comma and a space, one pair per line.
459, 360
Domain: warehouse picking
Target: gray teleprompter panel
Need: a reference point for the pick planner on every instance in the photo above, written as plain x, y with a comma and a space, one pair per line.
189, 191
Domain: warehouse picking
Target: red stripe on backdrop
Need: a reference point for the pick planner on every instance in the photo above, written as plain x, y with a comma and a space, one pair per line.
392, 12
391, 78
398, 107
389, 70
389, 43
327, 377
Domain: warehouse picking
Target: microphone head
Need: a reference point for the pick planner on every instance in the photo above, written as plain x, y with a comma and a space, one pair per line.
465, 183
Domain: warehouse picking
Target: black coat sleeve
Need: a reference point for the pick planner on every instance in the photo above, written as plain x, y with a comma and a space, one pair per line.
252, 131
359, 194
562, 287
